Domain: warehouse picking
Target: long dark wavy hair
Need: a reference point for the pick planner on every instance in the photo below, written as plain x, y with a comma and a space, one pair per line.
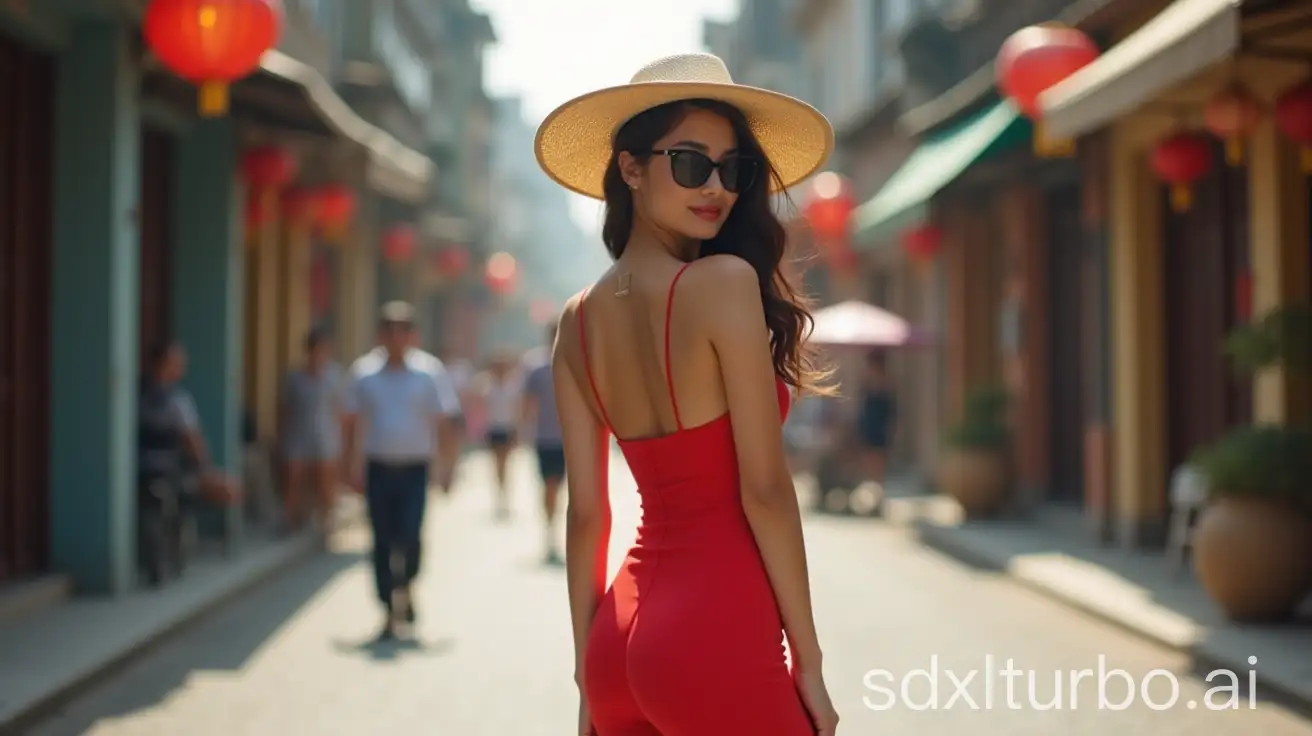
752, 232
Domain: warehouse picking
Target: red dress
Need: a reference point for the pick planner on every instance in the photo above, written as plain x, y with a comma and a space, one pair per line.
688, 640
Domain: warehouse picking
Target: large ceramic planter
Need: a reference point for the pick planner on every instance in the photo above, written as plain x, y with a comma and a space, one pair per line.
976, 479
1254, 557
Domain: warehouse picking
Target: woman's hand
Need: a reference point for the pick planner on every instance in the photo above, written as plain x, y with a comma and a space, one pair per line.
815, 696
585, 718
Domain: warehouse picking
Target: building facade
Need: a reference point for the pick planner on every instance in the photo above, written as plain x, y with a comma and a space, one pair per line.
121, 225
1021, 253
1072, 279
1183, 276
849, 67
534, 225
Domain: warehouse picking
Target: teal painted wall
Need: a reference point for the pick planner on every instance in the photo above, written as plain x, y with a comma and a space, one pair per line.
95, 310
208, 269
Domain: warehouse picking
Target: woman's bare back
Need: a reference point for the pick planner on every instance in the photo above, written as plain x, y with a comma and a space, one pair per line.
646, 342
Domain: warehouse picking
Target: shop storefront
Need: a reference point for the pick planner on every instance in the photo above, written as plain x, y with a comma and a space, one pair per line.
1187, 270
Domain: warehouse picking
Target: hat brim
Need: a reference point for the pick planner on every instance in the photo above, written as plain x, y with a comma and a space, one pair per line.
573, 144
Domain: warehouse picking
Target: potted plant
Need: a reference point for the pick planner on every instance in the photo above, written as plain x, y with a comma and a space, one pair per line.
1252, 546
975, 469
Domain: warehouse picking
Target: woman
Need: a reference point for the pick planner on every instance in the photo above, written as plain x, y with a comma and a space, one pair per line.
311, 436
685, 351
498, 391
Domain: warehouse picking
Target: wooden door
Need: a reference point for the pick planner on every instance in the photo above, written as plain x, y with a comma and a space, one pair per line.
156, 208
1206, 248
1066, 358
26, 181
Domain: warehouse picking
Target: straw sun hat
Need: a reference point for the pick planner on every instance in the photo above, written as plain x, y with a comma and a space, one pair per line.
573, 144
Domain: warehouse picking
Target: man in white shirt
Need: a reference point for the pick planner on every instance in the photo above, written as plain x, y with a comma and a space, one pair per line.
420, 359
399, 412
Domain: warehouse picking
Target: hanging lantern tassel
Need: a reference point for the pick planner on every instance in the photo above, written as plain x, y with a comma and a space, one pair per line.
269, 198
334, 232
213, 99
1046, 147
1182, 197
1179, 161
1234, 150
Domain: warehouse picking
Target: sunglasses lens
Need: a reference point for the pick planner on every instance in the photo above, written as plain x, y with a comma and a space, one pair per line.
737, 174
730, 170
690, 168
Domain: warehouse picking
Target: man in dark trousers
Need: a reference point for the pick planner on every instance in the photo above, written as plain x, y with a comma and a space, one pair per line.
399, 414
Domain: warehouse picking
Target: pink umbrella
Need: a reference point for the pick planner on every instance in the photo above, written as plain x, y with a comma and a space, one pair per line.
859, 324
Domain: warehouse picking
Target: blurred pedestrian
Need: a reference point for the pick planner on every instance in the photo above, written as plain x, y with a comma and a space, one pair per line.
422, 360
311, 436
539, 413
876, 418
400, 414
461, 371
498, 389
174, 468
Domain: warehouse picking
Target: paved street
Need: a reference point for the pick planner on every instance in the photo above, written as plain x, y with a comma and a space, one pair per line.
493, 652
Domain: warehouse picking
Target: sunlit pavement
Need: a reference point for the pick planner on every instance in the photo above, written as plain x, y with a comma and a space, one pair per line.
493, 656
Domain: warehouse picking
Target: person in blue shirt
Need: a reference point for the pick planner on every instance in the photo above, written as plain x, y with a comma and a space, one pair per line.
539, 413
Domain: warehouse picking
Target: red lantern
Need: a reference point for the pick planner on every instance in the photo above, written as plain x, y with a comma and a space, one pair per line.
1232, 115
451, 262
300, 206
268, 167
1033, 60
829, 207
501, 274
1180, 160
212, 43
922, 244
336, 204
399, 243
336, 208
1294, 118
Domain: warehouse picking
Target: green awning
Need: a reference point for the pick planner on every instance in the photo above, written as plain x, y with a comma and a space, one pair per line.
940, 158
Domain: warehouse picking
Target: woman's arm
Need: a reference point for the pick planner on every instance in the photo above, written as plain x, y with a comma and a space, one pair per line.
741, 341
587, 518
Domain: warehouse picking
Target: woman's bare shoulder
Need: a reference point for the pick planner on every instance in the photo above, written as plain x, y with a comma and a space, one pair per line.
569, 311
725, 282
722, 265
567, 329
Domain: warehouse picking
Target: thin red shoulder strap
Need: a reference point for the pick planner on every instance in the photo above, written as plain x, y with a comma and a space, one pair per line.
669, 368
587, 364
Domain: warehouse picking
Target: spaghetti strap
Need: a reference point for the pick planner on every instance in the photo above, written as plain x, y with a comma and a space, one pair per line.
669, 367
587, 364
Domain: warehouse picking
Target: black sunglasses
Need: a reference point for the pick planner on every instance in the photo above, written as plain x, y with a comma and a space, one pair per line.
692, 169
